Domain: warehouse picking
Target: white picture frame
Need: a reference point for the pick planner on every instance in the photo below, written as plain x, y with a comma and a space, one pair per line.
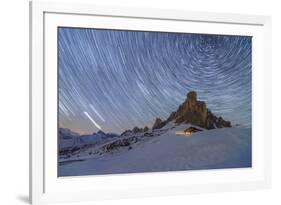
46, 187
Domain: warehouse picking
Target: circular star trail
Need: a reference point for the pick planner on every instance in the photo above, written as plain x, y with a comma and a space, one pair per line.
115, 80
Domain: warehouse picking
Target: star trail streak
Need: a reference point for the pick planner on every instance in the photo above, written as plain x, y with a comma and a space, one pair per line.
122, 79
93, 121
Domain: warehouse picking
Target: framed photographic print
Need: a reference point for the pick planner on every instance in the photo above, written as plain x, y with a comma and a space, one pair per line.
129, 102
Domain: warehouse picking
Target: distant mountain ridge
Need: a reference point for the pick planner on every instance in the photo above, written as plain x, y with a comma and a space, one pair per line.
194, 112
68, 138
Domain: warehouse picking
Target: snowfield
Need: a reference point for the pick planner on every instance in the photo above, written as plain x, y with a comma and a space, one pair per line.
162, 150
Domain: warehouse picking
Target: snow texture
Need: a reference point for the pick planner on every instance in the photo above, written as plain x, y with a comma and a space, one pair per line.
160, 150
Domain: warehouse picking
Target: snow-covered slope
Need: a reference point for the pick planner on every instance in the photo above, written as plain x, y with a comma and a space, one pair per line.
162, 150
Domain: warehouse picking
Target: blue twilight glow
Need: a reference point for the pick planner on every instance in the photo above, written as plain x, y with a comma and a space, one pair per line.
115, 80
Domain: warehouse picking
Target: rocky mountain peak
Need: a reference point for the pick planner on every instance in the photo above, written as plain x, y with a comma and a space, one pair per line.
194, 112
192, 97
158, 124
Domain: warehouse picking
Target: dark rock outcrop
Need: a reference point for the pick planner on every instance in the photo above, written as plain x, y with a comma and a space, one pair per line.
194, 112
126, 133
135, 130
145, 129
158, 124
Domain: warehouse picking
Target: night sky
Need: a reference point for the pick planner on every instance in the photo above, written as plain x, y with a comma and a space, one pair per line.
116, 80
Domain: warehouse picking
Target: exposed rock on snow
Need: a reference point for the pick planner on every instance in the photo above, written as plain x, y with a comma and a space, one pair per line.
164, 151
